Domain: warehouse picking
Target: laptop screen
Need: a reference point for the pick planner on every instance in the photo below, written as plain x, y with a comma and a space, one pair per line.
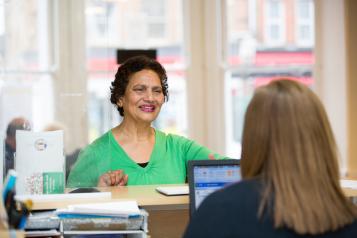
207, 176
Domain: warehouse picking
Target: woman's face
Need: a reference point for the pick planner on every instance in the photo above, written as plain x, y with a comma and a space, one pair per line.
143, 97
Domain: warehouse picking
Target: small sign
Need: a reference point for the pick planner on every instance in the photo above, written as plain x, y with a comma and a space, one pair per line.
53, 182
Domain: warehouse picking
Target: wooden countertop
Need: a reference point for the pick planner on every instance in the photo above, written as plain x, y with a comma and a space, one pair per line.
146, 196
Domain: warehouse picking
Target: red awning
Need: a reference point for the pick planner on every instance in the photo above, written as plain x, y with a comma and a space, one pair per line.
278, 58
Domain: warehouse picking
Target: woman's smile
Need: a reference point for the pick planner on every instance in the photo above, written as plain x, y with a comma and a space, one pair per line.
147, 108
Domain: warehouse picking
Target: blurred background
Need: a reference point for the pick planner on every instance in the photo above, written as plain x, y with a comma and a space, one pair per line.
58, 57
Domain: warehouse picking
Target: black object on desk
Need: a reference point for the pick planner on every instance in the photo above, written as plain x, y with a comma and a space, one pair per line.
84, 190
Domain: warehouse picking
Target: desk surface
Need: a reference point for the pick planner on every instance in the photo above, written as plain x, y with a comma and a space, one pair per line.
350, 192
146, 196
168, 215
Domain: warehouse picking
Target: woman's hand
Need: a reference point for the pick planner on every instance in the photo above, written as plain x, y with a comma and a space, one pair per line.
211, 157
113, 178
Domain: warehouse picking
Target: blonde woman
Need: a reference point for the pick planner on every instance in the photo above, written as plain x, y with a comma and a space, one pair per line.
291, 177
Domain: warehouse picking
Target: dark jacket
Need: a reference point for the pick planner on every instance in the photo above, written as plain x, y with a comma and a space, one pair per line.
232, 212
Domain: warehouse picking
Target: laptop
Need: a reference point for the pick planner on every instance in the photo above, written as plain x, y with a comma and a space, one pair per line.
207, 176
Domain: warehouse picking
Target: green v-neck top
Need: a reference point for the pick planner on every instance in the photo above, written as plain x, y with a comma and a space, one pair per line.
167, 164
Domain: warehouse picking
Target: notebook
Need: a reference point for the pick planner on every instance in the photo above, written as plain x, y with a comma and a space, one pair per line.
207, 176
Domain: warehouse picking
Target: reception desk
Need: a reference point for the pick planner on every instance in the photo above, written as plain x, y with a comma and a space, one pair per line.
168, 215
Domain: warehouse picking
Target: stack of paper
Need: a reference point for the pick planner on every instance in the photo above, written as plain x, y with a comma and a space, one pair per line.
351, 184
46, 220
124, 215
117, 209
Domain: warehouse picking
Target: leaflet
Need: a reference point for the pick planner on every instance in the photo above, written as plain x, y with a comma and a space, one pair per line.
39, 162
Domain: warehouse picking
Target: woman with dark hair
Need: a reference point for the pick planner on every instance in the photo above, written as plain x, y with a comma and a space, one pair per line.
290, 185
134, 152
17, 123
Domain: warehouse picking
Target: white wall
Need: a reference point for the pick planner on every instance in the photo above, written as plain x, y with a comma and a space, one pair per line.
330, 69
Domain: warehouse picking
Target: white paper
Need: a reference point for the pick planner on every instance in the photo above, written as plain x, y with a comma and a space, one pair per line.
346, 183
122, 208
173, 190
37, 153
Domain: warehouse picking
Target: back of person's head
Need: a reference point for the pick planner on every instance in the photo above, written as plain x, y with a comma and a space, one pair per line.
18, 123
288, 142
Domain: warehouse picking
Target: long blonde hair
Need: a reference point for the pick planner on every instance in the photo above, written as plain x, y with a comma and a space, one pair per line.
288, 142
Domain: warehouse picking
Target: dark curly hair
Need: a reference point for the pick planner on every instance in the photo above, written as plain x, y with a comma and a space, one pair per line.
130, 67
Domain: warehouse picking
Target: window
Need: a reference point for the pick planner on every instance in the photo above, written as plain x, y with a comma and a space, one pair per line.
274, 23
26, 62
257, 53
101, 18
155, 13
139, 24
304, 27
156, 30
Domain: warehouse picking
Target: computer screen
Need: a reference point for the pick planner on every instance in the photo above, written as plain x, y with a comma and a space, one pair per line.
207, 176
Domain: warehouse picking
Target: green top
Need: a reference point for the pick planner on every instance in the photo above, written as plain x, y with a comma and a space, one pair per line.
167, 162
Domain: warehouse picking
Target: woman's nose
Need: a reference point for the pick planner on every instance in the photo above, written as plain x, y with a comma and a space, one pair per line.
149, 96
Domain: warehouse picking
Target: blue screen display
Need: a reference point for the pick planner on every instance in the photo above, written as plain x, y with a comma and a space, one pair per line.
208, 179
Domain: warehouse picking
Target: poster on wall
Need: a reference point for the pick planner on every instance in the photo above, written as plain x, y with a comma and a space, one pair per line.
39, 162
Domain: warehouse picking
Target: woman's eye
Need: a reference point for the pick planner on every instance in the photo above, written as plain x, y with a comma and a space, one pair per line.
139, 89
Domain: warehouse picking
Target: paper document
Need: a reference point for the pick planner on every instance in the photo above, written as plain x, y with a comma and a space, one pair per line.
39, 162
123, 208
173, 190
346, 183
